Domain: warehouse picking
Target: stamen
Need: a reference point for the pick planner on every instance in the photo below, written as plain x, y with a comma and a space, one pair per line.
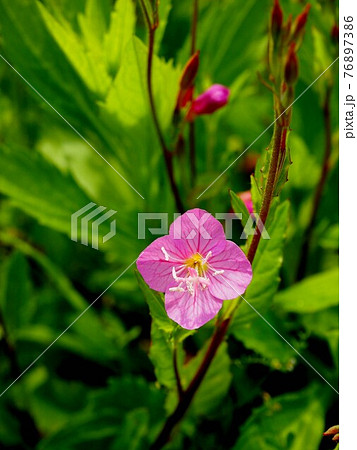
177, 289
195, 277
218, 272
209, 254
174, 274
167, 257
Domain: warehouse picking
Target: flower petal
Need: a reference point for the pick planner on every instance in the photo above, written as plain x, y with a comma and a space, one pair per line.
191, 311
200, 230
155, 268
236, 276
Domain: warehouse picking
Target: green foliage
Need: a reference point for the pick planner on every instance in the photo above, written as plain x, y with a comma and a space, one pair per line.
311, 295
16, 308
40, 189
239, 208
77, 131
288, 421
266, 267
130, 405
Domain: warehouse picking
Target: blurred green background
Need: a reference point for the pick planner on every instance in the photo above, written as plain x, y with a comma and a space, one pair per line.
100, 386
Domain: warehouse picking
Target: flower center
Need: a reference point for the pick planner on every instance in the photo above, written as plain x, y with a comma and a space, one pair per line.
198, 263
190, 274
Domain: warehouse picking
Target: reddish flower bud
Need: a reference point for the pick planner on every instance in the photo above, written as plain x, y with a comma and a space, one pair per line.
332, 430
300, 22
209, 101
246, 197
190, 71
186, 81
288, 25
185, 96
335, 34
291, 66
276, 19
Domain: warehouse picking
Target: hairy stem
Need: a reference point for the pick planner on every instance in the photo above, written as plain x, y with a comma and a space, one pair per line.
320, 186
278, 138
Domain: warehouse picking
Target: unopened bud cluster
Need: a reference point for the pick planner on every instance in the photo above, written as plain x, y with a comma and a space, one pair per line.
284, 42
213, 98
334, 432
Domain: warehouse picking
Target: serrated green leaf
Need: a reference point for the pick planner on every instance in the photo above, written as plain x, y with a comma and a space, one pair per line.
283, 173
84, 55
121, 29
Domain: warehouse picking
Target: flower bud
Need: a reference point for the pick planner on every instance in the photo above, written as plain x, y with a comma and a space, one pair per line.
291, 67
209, 101
332, 430
186, 81
276, 19
246, 198
300, 22
190, 71
185, 96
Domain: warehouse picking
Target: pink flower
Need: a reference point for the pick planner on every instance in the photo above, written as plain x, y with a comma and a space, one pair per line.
209, 101
246, 197
196, 267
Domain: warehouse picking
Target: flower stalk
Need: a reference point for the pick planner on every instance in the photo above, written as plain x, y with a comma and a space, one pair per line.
282, 63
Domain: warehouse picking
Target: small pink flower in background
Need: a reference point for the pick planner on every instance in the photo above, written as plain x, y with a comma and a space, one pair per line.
196, 267
246, 197
209, 101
